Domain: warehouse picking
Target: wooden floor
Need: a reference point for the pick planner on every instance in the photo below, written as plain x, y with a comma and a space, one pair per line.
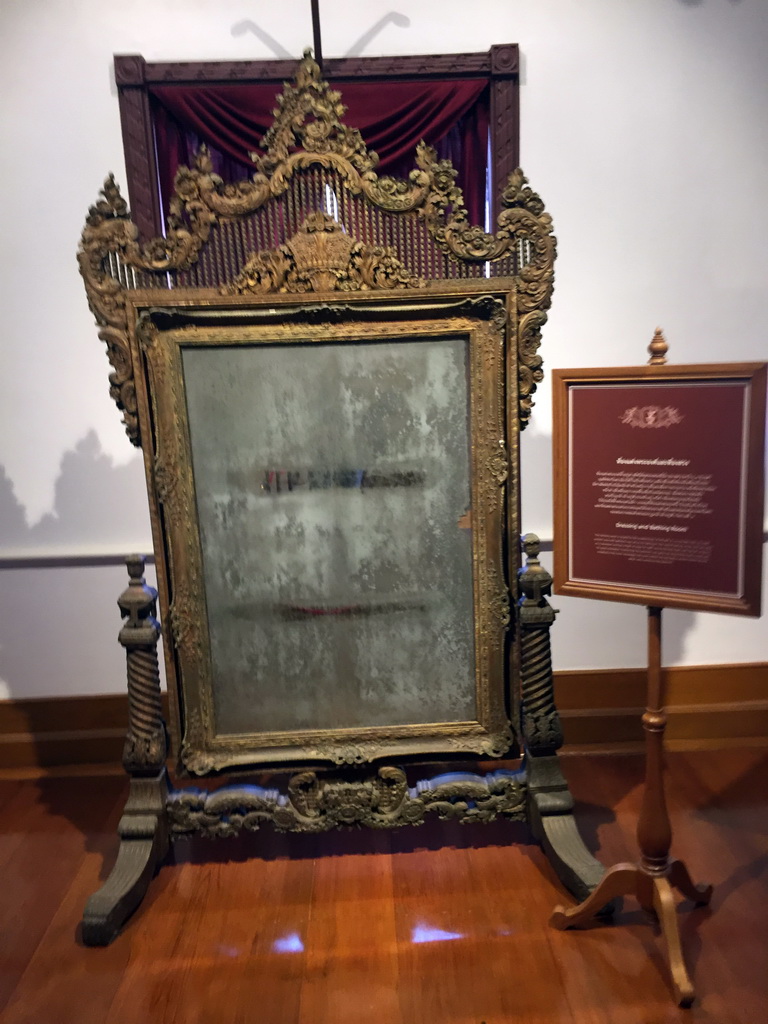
439, 924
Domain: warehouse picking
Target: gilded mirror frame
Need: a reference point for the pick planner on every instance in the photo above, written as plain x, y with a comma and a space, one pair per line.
162, 326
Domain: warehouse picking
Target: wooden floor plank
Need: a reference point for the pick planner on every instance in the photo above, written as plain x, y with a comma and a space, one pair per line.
62, 981
221, 941
441, 924
469, 957
41, 850
351, 972
724, 944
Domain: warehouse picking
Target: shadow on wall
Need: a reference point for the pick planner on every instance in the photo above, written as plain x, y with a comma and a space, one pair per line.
240, 28
97, 505
58, 632
59, 625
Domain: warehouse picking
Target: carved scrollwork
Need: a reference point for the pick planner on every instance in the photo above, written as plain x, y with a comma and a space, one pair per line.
166, 481
315, 803
146, 332
485, 307
309, 130
525, 222
183, 621
109, 232
348, 753
498, 608
194, 758
308, 117
122, 388
494, 745
321, 257
498, 463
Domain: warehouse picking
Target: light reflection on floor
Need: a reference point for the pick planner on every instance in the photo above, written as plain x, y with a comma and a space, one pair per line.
290, 943
423, 933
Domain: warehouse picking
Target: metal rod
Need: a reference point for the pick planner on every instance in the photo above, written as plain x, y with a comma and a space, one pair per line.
316, 32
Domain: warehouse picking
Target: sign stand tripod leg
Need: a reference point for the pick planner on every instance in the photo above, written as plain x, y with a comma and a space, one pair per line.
653, 879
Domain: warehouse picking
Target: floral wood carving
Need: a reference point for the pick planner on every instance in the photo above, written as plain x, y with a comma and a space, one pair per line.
308, 131
321, 257
316, 803
308, 117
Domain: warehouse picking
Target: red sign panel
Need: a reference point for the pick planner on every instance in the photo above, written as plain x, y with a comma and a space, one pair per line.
657, 500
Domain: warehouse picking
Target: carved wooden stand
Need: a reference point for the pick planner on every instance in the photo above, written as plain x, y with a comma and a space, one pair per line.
653, 879
143, 827
316, 802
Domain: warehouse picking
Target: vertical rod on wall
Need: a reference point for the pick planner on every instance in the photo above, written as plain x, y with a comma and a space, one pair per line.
314, 4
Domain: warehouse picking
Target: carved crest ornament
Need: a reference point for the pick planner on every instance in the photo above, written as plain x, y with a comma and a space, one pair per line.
308, 131
322, 257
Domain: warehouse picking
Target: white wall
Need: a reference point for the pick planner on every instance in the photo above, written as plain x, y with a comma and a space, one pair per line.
643, 128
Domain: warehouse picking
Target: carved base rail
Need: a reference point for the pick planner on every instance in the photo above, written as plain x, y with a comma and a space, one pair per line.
317, 803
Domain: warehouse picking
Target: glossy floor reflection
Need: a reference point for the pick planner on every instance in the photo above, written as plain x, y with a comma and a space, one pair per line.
440, 924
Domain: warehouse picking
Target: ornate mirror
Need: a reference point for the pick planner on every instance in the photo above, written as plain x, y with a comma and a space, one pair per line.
328, 372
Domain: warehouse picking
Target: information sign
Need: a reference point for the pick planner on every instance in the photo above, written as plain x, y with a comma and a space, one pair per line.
659, 485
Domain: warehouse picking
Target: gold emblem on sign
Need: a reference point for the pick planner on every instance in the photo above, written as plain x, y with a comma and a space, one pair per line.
655, 416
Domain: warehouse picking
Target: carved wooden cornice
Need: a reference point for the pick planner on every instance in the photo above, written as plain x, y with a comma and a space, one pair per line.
308, 130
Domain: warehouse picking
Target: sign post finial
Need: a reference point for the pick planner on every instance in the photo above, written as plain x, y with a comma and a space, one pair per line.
658, 348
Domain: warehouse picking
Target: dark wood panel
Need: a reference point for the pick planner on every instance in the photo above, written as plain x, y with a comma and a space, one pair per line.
501, 61
684, 685
706, 706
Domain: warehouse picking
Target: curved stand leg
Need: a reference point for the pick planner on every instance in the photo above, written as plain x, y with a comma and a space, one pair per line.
550, 814
620, 880
143, 845
664, 904
654, 893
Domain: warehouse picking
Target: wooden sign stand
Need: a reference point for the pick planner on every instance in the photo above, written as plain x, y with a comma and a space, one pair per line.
653, 879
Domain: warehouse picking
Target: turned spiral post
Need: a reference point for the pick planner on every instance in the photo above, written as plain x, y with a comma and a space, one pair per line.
540, 721
145, 744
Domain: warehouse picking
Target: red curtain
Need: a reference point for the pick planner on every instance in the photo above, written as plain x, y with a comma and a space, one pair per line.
452, 116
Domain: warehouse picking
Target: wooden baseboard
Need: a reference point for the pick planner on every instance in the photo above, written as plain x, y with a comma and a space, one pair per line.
707, 706
52, 732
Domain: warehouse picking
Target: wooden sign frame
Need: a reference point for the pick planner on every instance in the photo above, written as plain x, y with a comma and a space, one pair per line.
660, 502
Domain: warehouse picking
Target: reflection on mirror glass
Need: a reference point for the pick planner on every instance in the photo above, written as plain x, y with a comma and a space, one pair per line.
332, 485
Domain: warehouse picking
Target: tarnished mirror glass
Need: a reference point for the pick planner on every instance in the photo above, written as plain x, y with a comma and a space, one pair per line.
332, 485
